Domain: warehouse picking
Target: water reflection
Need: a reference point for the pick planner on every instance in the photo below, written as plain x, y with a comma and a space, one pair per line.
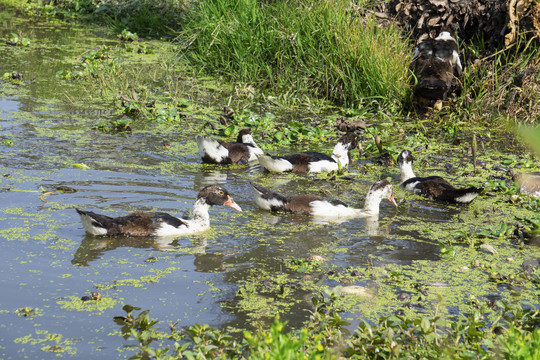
93, 248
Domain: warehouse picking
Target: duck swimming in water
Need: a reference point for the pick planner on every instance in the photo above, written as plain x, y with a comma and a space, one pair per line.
316, 206
434, 187
242, 151
160, 224
310, 161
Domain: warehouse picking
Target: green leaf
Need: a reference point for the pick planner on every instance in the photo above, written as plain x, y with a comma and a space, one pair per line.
229, 130
81, 166
425, 324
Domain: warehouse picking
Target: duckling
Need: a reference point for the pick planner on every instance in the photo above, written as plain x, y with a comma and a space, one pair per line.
315, 206
310, 161
434, 187
159, 224
219, 152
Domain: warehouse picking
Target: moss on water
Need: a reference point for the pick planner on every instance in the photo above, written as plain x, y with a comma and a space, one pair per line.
96, 307
50, 342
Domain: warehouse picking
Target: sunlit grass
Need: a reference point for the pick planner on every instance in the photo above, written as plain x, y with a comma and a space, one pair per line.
325, 49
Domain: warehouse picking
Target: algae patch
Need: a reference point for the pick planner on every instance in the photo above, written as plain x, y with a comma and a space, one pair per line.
94, 306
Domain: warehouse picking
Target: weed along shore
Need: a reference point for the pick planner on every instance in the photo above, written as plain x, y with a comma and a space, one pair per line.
300, 112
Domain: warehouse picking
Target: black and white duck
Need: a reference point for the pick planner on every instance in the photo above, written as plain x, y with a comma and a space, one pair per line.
435, 64
310, 161
160, 224
242, 151
434, 187
314, 205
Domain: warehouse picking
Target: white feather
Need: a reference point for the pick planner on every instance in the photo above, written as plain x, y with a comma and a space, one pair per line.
445, 35
274, 165
248, 139
412, 187
90, 227
211, 148
266, 204
322, 165
467, 198
320, 208
455, 60
199, 222
167, 230
341, 154
405, 168
254, 152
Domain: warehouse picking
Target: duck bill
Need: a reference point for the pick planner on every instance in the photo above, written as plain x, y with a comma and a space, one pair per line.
230, 203
392, 200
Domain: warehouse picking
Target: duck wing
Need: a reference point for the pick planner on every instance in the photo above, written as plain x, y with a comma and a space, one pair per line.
301, 204
238, 152
267, 199
439, 189
301, 162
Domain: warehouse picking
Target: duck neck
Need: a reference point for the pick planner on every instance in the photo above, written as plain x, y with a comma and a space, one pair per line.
248, 139
200, 211
371, 205
341, 154
406, 171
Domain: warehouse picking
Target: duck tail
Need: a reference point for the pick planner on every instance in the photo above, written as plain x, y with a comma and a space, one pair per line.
274, 163
267, 199
465, 196
211, 150
92, 223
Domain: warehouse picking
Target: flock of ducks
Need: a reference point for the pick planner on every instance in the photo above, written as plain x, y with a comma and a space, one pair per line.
435, 65
244, 151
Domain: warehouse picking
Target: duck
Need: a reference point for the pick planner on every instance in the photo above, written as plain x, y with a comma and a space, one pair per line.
435, 64
159, 224
310, 161
243, 151
529, 183
309, 204
434, 187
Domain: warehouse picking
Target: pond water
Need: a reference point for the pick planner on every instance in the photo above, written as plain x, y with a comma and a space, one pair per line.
48, 262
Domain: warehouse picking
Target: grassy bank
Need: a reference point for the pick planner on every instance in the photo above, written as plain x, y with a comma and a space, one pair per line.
323, 49
295, 49
327, 50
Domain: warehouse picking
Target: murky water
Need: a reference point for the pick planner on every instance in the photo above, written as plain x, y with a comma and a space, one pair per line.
48, 262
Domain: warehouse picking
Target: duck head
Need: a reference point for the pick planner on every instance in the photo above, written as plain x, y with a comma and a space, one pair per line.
244, 134
342, 150
381, 189
405, 160
217, 195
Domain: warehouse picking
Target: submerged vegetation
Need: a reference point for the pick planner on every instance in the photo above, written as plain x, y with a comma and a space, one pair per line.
322, 57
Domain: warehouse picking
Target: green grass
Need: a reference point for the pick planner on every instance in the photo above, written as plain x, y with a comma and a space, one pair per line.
323, 49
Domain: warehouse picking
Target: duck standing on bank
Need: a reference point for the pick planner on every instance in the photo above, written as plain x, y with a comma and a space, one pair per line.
160, 224
310, 161
242, 151
434, 187
314, 205
435, 65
